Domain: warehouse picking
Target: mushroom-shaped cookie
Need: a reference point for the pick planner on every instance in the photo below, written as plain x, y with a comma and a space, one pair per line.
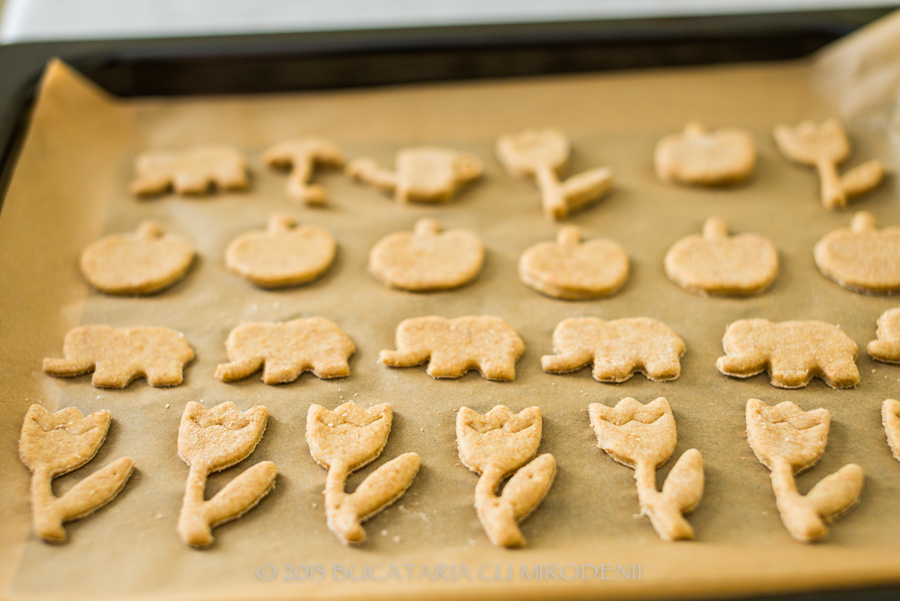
424, 174
574, 270
285, 254
695, 156
862, 258
301, 155
144, 262
722, 265
542, 154
887, 346
191, 171
427, 259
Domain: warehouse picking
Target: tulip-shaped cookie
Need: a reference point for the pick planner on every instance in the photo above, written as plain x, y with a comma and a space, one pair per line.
542, 154
890, 419
424, 174
788, 440
144, 262
53, 444
191, 171
887, 345
301, 156
285, 254
344, 440
643, 437
823, 146
862, 258
495, 445
210, 440
699, 157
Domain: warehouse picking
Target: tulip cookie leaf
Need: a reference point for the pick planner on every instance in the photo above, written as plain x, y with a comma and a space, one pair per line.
617, 349
495, 445
862, 258
823, 146
424, 174
722, 265
301, 156
793, 352
574, 270
695, 156
54, 444
788, 440
117, 356
191, 171
427, 259
454, 346
211, 440
344, 440
285, 254
542, 154
643, 437
287, 349
887, 346
890, 419
144, 262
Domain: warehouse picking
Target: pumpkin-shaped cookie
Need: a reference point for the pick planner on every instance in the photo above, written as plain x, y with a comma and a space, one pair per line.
695, 156
144, 262
574, 270
862, 258
427, 258
285, 254
722, 265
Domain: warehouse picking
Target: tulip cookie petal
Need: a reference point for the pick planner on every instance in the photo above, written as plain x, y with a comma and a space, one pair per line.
722, 265
862, 259
286, 254
192, 171
301, 155
698, 157
427, 259
890, 419
887, 346
574, 270
144, 262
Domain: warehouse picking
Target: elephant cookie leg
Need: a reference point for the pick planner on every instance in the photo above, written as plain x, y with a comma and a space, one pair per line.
238, 369
741, 366
168, 375
840, 374
327, 368
787, 373
500, 370
608, 370
444, 365
108, 375
566, 362
280, 371
660, 370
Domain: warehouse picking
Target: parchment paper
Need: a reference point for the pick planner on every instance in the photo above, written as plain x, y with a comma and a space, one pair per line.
70, 187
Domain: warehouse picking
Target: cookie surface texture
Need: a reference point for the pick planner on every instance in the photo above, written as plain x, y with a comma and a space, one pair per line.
862, 259
793, 352
721, 265
454, 346
617, 349
886, 347
144, 262
190, 171
427, 259
285, 254
696, 156
890, 419
287, 349
574, 270
301, 156
117, 356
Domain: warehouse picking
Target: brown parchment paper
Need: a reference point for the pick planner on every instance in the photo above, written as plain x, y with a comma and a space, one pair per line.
70, 187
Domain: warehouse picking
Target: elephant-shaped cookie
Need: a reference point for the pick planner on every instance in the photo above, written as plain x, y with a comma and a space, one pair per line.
287, 349
886, 346
117, 356
190, 171
454, 346
794, 352
617, 348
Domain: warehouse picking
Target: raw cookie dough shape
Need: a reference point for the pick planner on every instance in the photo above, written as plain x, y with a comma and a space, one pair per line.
890, 419
574, 270
285, 254
454, 346
793, 352
191, 171
617, 348
301, 156
721, 265
643, 437
862, 259
210, 440
696, 156
284, 350
54, 444
144, 262
344, 440
427, 259
118, 356
543, 154
495, 445
424, 173
823, 146
887, 346
788, 440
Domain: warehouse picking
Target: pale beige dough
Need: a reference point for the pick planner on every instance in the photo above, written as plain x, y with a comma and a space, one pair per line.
190, 171
890, 419
301, 156
862, 259
886, 347
696, 156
